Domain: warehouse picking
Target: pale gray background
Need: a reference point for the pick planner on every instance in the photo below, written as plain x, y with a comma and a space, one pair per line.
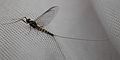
76, 18
109, 14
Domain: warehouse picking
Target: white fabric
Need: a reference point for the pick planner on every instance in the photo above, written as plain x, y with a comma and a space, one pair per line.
16, 42
77, 18
109, 14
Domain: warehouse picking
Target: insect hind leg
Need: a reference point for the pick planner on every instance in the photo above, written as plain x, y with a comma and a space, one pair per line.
31, 29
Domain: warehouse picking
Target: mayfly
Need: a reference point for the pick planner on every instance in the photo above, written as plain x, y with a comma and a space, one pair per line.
44, 20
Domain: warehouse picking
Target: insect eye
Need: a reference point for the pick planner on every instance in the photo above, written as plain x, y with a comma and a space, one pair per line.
27, 20
24, 19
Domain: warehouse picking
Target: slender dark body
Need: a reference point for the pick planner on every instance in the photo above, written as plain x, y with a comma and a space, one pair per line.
35, 26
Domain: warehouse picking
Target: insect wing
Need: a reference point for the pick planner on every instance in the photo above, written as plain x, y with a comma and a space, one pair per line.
47, 16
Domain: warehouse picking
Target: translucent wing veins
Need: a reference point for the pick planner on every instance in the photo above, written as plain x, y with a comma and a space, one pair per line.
47, 16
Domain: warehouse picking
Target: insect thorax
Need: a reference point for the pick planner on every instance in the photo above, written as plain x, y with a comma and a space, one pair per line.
33, 24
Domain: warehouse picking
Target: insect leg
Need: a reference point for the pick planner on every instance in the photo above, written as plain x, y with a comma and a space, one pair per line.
37, 32
29, 30
19, 19
11, 22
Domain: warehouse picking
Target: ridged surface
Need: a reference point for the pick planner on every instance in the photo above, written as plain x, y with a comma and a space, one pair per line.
16, 42
27, 46
76, 18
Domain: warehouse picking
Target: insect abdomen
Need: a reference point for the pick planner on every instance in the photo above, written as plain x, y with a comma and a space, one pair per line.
45, 31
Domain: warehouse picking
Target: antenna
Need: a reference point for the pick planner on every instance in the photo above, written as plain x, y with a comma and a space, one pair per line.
20, 19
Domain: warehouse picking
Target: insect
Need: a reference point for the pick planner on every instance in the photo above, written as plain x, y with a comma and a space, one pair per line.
40, 21
44, 20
